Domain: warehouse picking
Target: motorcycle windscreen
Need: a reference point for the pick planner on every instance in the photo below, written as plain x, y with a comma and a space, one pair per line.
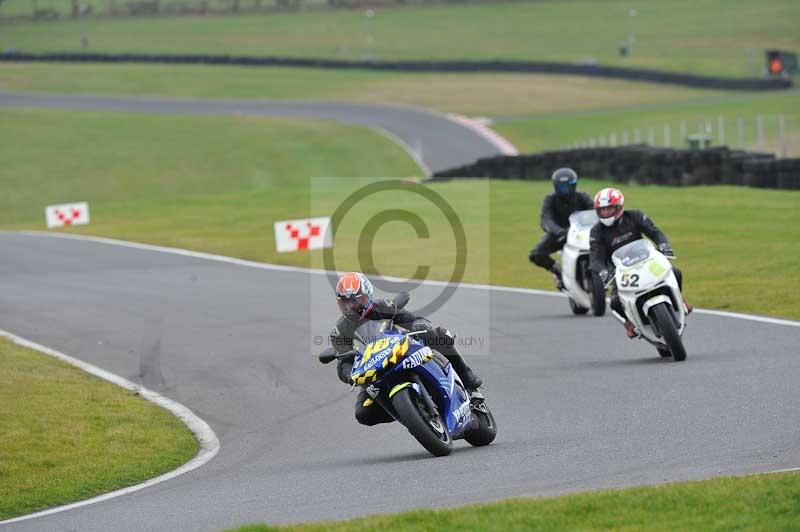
373, 330
633, 253
583, 219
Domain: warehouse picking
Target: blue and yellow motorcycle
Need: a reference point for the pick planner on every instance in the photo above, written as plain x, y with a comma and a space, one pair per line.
417, 386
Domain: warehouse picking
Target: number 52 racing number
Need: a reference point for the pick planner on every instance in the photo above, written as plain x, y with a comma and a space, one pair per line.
629, 280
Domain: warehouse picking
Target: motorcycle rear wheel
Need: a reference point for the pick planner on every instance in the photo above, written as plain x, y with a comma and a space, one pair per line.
661, 315
429, 430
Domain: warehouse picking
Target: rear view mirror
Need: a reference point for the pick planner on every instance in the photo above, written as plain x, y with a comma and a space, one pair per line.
401, 299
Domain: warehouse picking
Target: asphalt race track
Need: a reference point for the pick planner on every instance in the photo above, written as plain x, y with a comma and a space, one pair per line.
434, 140
579, 406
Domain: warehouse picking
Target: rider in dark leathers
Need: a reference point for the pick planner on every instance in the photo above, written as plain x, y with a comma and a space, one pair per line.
613, 232
556, 209
438, 338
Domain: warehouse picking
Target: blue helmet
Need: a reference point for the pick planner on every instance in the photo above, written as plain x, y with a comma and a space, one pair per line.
565, 181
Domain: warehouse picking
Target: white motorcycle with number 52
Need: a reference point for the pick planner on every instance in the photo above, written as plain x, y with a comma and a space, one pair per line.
649, 293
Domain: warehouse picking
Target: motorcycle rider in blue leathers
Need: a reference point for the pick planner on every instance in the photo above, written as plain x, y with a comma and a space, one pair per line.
354, 297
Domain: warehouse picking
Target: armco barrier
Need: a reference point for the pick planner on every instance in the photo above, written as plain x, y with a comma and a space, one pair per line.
539, 67
643, 164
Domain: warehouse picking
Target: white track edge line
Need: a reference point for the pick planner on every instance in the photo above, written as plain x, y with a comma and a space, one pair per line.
209, 443
299, 269
405, 146
497, 140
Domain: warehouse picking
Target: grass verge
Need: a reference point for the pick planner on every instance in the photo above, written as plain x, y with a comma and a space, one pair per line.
759, 502
147, 160
214, 184
69, 436
708, 36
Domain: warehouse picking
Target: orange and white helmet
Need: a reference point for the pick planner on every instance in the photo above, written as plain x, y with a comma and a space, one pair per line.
608, 203
354, 295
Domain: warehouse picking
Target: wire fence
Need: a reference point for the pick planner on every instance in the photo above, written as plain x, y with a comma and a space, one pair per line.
53, 9
764, 132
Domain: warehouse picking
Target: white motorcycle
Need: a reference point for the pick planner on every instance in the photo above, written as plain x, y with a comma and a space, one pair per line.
584, 288
649, 293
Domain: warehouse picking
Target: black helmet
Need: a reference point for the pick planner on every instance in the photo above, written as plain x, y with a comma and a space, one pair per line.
565, 181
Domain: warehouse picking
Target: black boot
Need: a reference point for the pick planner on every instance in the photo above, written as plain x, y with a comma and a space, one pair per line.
556, 271
471, 381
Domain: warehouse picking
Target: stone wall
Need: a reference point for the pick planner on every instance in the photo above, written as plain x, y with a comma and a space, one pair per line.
645, 165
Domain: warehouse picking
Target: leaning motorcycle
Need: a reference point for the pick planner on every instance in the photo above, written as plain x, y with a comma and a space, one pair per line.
649, 293
583, 287
418, 387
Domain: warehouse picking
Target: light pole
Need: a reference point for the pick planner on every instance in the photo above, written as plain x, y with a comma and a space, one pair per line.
370, 41
631, 28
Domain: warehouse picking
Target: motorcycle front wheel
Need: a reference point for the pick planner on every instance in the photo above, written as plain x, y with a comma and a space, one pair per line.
661, 315
428, 428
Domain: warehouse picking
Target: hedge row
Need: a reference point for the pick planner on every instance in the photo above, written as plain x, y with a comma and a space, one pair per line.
541, 67
643, 164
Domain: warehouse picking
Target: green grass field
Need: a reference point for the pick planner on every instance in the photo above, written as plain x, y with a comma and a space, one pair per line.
132, 158
69, 436
762, 502
707, 36
148, 184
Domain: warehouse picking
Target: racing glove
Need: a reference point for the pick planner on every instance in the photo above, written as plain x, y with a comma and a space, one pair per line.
666, 249
344, 368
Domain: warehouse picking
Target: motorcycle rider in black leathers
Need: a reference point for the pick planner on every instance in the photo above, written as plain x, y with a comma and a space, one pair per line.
556, 210
354, 297
616, 228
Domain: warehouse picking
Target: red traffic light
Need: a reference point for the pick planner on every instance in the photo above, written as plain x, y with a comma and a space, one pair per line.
781, 63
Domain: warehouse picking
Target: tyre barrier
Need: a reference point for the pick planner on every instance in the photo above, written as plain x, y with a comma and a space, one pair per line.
642, 164
499, 66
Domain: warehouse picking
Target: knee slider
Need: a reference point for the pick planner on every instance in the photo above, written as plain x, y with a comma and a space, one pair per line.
363, 416
540, 259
